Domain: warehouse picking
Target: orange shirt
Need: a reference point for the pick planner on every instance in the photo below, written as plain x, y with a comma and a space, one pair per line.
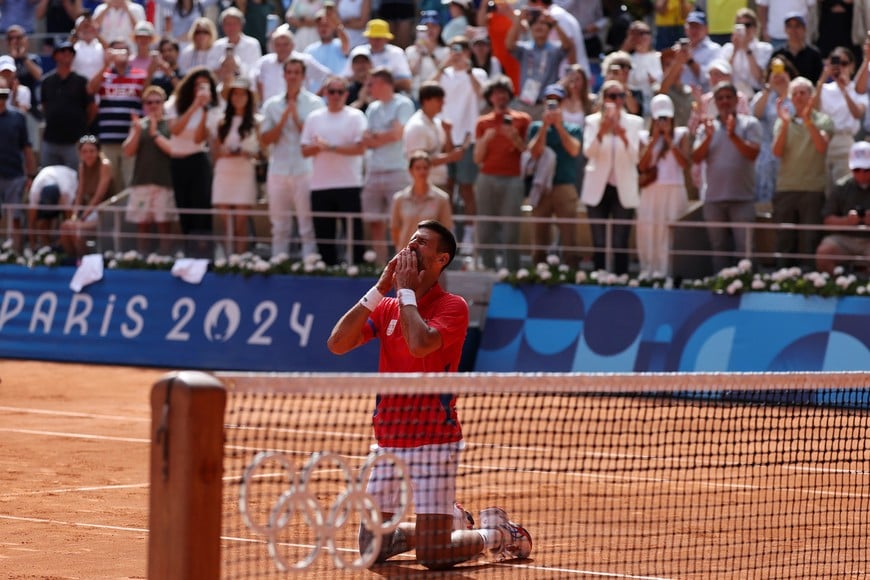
498, 27
502, 158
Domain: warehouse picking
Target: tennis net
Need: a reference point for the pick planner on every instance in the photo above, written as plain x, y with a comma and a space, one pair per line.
630, 476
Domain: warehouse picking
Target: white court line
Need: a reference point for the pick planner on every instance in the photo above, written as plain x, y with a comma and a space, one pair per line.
31, 411
75, 435
350, 550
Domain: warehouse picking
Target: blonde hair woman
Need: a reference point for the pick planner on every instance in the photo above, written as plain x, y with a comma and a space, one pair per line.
201, 37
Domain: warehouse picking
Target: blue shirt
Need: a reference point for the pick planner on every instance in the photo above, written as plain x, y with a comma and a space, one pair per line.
286, 157
380, 115
539, 63
329, 55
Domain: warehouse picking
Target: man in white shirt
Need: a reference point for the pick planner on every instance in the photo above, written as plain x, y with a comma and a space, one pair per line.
382, 54
426, 131
267, 74
463, 87
245, 47
117, 19
333, 137
747, 55
772, 15
386, 168
288, 181
90, 57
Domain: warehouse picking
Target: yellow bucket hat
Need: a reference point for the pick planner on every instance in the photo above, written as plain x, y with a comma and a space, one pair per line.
378, 28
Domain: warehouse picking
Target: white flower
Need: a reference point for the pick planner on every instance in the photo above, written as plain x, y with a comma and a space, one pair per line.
819, 282
838, 270
370, 256
794, 272
522, 274
152, 259
131, 255
843, 281
860, 290
553, 259
757, 284
7, 245
545, 275
542, 267
220, 263
564, 268
296, 266
262, 266
734, 287
580, 277
633, 284
234, 260
622, 279
311, 259
352, 270
774, 287
744, 265
21, 261
280, 258
503, 274
320, 265
50, 259
113, 264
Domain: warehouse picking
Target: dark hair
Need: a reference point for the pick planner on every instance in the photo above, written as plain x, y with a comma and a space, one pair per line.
502, 82
384, 74
430, 90
247, 124
294, 60
168, 41
447, 242
185, 91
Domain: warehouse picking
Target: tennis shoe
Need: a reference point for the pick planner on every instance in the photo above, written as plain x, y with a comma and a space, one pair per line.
516, 540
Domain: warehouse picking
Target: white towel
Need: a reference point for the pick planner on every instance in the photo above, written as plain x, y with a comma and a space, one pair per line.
191, 270
88, 272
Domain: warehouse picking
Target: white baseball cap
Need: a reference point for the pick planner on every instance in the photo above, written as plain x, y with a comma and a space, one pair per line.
661, 106
859, 155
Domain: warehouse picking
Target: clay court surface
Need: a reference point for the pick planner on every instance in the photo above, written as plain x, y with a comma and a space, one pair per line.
74, 451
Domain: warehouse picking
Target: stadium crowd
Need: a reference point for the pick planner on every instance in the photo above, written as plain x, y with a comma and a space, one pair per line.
403, 110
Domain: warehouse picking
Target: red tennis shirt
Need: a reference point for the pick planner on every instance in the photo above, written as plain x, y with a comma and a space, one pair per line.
414, 420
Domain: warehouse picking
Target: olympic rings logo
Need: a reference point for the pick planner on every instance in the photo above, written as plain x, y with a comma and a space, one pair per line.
297, 500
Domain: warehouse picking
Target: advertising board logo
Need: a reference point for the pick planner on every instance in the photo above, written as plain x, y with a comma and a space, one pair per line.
222, 320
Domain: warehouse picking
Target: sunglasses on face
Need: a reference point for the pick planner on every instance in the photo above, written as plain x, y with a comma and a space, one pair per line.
336, 91
614, 96
154, 102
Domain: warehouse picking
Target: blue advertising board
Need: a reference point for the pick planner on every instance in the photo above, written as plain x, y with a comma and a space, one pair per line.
601, 329
228, 322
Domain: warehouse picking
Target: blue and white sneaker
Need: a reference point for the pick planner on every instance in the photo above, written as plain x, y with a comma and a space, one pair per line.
516, 540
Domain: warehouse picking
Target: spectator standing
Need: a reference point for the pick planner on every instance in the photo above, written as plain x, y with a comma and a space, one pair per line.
847, 207
592, 21
333, 137
386, 172
236, 140
354, 15
460, 19
357, 86
575, 53
702, 51
564, 140
801, 143
617, 66
333, 44
670, 21
774, 14
674, 60
666, 198
302, 18
151, 200
68, 108
29, 74
180, 19
539, 58
805, 58
143, 38
194, 101
747, 55
729, 145
764, 107
427, 53
90, 54
288, 181
481, 54
17, 164
245, 48
202, 36
836, 97
499, 22
268, 72
835, 26
500, 140
383, 54
116, 19
417, 202
119, 87
646, 63
166, 75
95, 185
426, 131
464, 85
611, 144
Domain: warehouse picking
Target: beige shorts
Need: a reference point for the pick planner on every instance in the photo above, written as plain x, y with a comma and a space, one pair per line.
150, 203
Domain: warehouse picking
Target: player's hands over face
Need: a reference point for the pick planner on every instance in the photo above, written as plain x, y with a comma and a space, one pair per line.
408, 273
387, 279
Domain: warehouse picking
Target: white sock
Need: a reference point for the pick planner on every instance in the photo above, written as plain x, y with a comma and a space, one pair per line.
492, 539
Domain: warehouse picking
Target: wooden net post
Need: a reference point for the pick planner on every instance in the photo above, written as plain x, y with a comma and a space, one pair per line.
187, 436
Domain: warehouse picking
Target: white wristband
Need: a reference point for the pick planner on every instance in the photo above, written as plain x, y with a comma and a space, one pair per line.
372, 298
407, 297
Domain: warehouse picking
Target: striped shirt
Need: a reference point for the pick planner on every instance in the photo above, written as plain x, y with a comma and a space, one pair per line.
120, 96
